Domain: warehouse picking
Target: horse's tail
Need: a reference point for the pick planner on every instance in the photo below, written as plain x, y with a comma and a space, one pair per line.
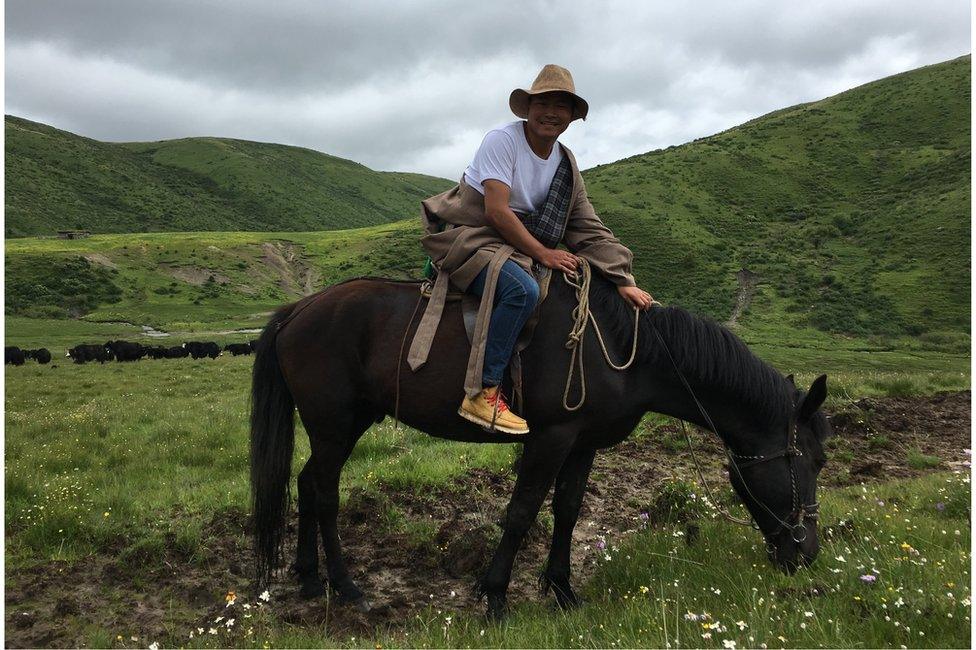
272, 445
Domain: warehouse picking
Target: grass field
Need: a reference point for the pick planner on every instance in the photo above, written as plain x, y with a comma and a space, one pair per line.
901, 577
126, 464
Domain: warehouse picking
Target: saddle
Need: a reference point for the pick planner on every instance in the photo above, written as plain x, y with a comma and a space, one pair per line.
469, 314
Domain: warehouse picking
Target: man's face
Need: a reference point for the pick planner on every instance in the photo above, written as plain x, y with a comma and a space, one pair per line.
550, 114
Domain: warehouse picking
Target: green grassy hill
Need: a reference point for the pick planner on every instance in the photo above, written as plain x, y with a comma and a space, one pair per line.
850, 214
197, 279
853, 210
57, 180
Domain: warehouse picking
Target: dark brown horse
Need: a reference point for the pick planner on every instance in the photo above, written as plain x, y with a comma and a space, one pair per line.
334, 357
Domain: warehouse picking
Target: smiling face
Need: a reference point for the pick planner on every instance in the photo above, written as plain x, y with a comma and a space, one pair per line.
550, 114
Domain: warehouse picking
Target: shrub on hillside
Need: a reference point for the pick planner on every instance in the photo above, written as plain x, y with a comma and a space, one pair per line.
837, 307
945, 341
57, 286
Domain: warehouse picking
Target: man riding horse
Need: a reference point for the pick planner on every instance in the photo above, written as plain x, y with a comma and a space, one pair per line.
496, 232
335, 358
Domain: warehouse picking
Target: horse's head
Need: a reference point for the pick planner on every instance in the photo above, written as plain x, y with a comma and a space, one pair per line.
778, 482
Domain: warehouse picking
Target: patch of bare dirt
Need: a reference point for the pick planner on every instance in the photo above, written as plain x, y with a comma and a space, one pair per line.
163, 597
878, 433
195, 275
747, 287
127, 594
101, 260
295, 274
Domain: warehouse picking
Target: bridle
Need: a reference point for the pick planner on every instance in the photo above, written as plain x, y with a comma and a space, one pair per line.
800, 511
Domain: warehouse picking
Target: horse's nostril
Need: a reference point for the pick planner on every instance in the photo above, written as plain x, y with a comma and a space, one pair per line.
808, 558
789, 567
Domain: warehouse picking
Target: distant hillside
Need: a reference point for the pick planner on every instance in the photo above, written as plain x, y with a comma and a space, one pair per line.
851, 214
172, 280
58, 180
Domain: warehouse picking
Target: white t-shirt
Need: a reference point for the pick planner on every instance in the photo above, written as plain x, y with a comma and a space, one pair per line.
505, 155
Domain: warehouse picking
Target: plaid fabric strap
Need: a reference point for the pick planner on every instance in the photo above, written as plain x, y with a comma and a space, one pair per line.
548, 223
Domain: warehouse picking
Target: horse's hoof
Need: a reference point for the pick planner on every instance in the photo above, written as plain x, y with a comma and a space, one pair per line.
349, 594
312, 589
571, 603
566, 598
497, 609
362, 605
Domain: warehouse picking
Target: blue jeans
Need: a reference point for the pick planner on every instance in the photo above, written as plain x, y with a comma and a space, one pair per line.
516, 295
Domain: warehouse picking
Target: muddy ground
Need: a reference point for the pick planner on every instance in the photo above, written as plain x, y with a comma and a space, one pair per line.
164, 599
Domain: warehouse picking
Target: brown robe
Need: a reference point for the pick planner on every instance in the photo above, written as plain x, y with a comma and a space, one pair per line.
468, 243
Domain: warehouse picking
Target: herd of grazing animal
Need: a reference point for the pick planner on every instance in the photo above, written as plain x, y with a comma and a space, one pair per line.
17, 357
129, 351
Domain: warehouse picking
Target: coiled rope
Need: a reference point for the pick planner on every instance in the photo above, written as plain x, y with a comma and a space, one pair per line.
582, 314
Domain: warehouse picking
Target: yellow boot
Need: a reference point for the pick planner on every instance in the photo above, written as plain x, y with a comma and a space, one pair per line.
490, 407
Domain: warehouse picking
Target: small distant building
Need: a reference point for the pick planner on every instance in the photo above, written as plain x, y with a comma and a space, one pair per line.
73, 234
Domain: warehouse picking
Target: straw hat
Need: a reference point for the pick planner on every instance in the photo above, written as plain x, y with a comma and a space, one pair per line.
552, 78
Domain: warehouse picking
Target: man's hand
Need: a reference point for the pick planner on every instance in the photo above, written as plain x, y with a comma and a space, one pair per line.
636, 297
559, 259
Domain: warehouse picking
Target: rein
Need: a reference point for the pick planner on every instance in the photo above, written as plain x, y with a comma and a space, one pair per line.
791, 451
582, 314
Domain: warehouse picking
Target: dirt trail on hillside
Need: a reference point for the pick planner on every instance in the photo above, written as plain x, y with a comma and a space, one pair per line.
101, 260
46, 604
195, 275
295, 275
747, 287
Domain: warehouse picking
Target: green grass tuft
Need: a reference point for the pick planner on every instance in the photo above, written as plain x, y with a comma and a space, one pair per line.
917, 460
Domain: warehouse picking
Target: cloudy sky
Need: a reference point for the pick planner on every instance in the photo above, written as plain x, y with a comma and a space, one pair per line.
413, 86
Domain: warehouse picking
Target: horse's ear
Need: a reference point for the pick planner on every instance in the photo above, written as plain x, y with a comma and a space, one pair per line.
814, 397
789, 378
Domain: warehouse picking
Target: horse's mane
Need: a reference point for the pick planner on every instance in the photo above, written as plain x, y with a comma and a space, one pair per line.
706, 352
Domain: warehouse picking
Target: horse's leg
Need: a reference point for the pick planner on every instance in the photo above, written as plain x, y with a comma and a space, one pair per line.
307, 558
566, 502
331, 445
542, 457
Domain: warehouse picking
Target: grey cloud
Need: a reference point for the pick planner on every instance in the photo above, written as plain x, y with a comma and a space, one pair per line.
414, 86
271, 46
